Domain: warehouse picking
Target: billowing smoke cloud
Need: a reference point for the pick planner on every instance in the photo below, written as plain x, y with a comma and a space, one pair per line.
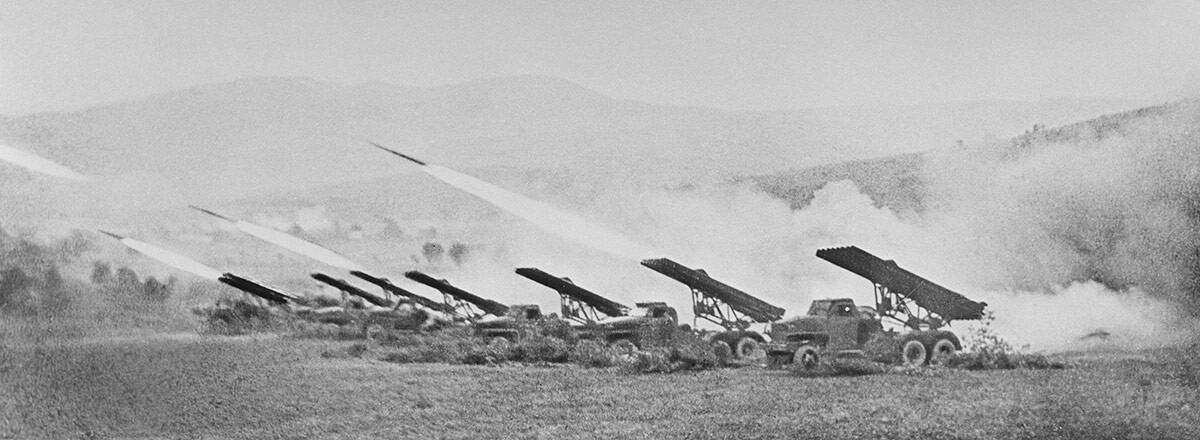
1082, 315
1115, 201
1062, 237
1091, 228
37, 163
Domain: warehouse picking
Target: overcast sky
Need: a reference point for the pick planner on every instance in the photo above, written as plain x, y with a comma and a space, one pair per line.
58, 55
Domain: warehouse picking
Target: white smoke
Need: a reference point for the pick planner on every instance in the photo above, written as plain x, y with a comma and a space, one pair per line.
314, 218
756, 243
1083, 315
297, 245
173, 259
557, 221
37, 163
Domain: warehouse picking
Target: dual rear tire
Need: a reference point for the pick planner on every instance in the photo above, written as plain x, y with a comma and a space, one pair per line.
915, 353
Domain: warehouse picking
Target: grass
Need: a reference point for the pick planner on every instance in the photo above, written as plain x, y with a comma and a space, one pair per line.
269, 387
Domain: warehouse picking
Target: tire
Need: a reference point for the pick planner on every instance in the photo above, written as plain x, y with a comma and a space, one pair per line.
748, 349
913, 353
806, 357
941, 352
624, 347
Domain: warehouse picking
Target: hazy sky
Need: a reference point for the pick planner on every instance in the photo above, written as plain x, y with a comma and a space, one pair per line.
740, 54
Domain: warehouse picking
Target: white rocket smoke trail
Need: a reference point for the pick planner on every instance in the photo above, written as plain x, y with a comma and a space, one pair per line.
559, 222
37, 163
289, 242
298, 245
170, 258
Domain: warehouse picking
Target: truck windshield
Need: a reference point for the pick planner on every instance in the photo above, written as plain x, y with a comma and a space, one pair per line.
819, 308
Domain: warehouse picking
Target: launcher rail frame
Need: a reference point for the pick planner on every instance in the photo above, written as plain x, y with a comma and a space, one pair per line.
916, 302
400, 292
468, 304
577, 304
735, 313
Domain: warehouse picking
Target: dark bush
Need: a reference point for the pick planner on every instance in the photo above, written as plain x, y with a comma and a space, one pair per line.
590, 353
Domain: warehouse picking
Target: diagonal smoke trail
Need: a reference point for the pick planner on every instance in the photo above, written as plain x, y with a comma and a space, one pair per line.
172, 259
289, 242
297, 245
554, 220
37, 163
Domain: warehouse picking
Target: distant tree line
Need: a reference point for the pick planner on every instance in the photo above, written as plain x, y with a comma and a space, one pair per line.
31, 280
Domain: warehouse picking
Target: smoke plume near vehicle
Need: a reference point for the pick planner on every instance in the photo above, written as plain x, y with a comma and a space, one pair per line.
37, 163
1063, 232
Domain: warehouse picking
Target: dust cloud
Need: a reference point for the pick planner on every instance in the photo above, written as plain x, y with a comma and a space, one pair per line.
1084, 230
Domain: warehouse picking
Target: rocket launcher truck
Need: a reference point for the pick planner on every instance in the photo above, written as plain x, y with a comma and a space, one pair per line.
464, 303
578, 304
837, 327
400, 292
719, 303
346, 287
255, 288
655, 323
493, 321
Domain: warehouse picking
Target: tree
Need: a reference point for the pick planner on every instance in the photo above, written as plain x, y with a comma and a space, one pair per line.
127, 280
14, 287
155, 290
53, 286
101, 273
432, 251
459, 253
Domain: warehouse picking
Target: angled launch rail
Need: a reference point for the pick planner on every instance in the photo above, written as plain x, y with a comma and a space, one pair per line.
255, 288
715, 301
898, 290
578, 304
387, 285
457, 298
346, 287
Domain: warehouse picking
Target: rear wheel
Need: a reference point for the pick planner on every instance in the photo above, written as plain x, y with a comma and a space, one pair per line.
913, 353
941, 352
748, 348
806, 357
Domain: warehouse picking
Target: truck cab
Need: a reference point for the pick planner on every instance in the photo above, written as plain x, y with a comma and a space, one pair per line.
652, 323
840, 328
509, 326
831, 324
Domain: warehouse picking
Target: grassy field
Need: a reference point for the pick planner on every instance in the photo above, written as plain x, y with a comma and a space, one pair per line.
187, 386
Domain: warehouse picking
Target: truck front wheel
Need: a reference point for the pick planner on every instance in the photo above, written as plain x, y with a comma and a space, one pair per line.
806, 357
913, 353
749, 349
